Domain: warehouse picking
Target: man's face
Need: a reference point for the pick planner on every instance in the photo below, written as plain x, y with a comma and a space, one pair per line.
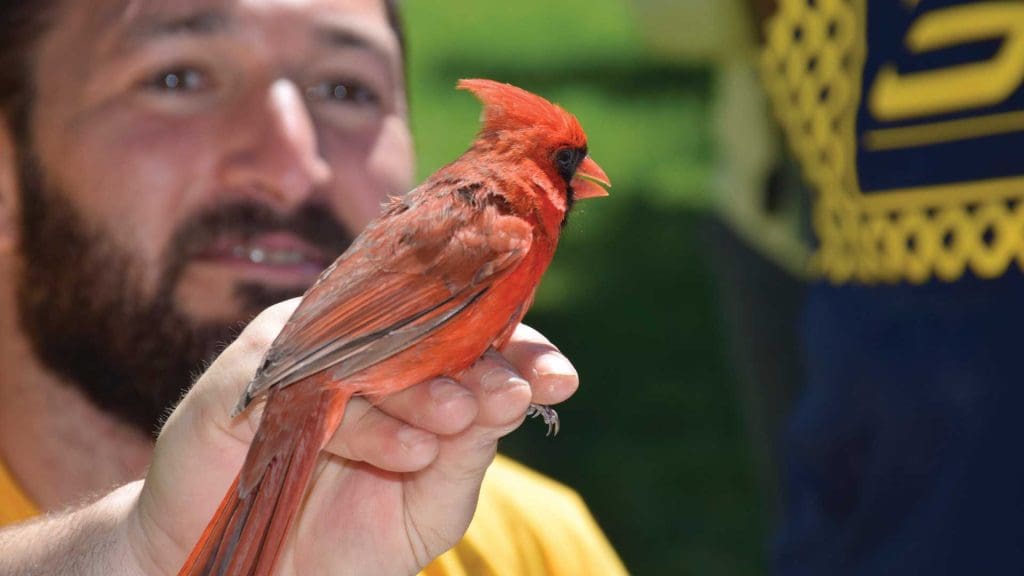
189, 162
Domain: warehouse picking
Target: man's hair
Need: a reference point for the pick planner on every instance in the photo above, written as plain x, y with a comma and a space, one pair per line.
23, 23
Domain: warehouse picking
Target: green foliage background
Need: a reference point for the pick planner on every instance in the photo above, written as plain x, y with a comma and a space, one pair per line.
654, 440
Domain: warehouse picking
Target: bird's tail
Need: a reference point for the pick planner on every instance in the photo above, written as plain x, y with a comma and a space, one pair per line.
245, 535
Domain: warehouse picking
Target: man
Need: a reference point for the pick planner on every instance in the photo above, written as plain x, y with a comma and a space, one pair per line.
167, 171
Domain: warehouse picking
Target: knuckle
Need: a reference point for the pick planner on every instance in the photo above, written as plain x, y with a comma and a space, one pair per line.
261, 332
257, 338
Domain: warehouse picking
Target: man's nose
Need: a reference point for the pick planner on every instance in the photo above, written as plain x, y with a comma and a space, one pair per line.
274, 153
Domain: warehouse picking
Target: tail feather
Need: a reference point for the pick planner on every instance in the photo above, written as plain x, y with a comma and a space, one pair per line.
240, 541
244, 537
204, 554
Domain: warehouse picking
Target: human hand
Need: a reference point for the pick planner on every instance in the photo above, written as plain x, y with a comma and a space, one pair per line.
400, 479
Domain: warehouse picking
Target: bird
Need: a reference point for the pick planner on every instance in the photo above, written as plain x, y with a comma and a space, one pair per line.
444, 273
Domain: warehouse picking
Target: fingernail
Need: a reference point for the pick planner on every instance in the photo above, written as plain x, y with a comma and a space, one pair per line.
501, 378
554, 364
445, 389
410, 437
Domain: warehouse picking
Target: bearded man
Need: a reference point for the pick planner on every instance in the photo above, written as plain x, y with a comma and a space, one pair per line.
167, 171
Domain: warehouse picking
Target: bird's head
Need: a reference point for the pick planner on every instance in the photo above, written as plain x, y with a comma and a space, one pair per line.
527, 124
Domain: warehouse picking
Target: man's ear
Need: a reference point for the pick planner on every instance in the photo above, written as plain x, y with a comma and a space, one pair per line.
8, 188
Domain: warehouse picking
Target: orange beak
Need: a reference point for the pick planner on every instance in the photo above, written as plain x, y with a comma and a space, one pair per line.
590, 181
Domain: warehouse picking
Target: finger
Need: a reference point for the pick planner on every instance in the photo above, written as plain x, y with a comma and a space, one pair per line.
551, 375
369, 435
441, 406
449, 488
502, 394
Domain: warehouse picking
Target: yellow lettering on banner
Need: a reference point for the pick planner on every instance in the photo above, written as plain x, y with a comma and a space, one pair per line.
897, 97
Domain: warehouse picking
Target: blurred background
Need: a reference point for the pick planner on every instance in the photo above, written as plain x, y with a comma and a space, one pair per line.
680, 297
668, 446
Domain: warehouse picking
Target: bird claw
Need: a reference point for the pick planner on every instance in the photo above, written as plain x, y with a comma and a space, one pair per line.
548, 414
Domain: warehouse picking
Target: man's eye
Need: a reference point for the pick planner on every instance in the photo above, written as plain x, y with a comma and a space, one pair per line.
178, 80
343, 91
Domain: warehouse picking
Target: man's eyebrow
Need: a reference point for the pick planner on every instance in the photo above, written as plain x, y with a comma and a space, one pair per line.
340, 36
198, 23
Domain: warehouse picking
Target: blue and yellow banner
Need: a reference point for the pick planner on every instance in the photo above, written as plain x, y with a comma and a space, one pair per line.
908, 118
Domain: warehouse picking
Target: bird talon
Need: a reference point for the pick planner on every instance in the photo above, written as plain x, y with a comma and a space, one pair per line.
548, 414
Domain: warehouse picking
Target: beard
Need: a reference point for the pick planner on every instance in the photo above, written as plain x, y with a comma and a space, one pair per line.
82, 303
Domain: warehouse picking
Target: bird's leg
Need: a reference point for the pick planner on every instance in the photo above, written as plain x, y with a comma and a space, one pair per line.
548, 414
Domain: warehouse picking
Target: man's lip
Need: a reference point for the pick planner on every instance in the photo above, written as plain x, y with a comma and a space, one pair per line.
273, 250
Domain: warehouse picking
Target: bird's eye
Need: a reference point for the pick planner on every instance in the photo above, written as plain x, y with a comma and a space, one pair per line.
566, 159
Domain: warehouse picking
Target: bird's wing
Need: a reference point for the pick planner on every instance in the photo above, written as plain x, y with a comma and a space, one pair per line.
425, 260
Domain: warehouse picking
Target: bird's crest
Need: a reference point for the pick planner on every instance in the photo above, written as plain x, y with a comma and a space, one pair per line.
507, 107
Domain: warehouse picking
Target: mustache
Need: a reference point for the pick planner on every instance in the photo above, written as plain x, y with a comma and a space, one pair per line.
315, 224
243, 221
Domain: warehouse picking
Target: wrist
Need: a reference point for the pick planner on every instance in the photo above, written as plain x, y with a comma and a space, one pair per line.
121, 544
139, 541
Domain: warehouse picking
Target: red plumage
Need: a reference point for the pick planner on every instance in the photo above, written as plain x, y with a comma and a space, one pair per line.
445, 273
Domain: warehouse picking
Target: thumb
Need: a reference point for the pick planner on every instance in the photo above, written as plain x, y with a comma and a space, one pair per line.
201, 448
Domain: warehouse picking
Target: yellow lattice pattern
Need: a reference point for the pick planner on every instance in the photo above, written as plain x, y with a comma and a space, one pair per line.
812, 62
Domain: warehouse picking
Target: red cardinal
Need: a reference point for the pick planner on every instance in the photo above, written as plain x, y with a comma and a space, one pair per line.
445, 273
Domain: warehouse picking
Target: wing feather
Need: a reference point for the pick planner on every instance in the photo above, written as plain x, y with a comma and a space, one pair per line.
413, 270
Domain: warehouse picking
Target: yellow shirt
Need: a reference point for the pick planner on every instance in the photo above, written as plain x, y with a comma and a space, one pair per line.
525, 524
14, 504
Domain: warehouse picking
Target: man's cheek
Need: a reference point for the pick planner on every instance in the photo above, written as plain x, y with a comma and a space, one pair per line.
367, 171
393, 160
140, 170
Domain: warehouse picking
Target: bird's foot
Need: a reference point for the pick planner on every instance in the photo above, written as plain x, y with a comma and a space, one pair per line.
548, 414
